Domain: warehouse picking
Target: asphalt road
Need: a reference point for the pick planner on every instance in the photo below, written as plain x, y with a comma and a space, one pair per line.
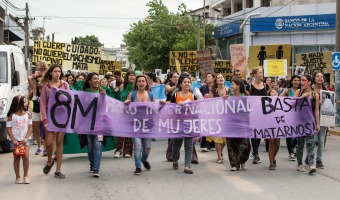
209, 181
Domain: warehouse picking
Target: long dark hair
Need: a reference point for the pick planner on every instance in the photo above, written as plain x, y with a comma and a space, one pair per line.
169, 76
152, 76
87, 79
18, 103
181, 79
48, 76
239, 82
146, 79
291, 81
126, 78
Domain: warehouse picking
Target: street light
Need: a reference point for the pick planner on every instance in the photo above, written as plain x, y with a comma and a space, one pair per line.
44, 26
53, 35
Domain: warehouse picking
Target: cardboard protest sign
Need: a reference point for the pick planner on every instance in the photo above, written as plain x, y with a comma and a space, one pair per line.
238, 58
223, 67
188, 61
259, 53
204, 62
109, 66
317, 62
69, 56
236, 116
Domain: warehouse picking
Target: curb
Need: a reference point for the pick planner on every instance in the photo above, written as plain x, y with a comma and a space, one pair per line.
334, 132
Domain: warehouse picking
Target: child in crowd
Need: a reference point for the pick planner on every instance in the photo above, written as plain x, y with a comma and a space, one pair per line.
19, 129
274, 144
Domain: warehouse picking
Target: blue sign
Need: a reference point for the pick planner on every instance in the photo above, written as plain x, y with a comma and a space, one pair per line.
293, 23
227, 30
336, 60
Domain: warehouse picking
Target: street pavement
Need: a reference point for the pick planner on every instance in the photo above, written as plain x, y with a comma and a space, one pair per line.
209, 181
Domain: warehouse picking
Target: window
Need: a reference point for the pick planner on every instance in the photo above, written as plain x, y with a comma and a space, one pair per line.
3, 68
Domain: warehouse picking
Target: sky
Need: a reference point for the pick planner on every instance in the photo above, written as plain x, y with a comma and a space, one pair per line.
106, 19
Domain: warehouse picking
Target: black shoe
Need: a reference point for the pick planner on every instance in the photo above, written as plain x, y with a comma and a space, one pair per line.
59, 175
146, 165
257, 159
319, 165
138, 171
96, 174
48, 168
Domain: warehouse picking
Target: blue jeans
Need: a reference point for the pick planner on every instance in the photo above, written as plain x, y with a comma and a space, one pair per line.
320, 138
94, 151
187, 150
141, 150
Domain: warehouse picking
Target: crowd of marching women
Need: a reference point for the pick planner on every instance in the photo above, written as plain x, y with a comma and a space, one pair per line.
136, 87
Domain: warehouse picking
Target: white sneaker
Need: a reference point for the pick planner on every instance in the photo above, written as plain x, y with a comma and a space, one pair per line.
35, 142
205, 149
127, 156
117, 154
312, 169
233, 169
212, 149
301, 168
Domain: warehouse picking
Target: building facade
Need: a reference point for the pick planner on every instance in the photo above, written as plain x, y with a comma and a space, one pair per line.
306, 25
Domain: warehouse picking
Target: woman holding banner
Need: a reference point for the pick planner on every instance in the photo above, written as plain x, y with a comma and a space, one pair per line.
94, 142
125, 145
53, 78
306, 91
238, 148
170, 86
294, 84
257, 88
218, 90
184, 95
141, 146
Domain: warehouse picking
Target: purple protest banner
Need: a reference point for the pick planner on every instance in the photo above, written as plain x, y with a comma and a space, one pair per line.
240, 117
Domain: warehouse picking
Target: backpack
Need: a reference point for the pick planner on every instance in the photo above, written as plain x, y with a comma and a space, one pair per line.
134, 93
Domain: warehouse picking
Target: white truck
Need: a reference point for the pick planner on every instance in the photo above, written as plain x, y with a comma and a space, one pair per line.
13, 82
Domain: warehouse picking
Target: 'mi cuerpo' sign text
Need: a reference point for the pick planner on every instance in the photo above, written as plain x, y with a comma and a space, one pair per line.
293, 23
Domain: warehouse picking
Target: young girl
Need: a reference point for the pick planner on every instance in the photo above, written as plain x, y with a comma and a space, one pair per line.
274, 144
141, 146
238, 148
19, 129
184, 95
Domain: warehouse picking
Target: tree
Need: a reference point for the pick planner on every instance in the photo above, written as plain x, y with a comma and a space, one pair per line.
37, 33
150, 41
88, 40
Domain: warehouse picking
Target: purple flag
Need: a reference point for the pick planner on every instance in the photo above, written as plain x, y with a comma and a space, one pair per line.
240, 117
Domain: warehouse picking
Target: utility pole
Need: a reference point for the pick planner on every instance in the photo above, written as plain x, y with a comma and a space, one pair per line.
337, 72
27, 40
198, 32
204, 25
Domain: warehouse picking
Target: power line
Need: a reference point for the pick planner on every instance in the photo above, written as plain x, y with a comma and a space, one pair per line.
13, 6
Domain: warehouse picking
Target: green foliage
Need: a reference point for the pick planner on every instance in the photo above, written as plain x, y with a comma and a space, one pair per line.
150, 41
88, 40
37, 33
